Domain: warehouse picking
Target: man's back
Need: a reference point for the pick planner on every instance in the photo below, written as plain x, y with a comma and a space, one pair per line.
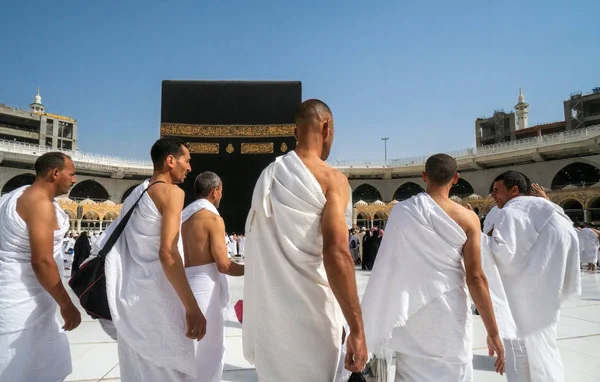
466, 219
285, 264
196, 233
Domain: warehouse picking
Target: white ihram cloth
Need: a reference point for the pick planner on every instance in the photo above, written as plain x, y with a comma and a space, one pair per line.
292, 328
145, 309
33, 347
416, 300
532, 264
588, 245
488, 222
212, 294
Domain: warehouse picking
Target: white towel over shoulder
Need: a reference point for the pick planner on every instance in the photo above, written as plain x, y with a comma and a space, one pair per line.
416, 300
148, 315
292, 329
29, 329
533, 248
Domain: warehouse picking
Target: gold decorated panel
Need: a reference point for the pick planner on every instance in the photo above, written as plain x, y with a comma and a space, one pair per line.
99, 210
203, 148
257, 148
226, 131
584, 196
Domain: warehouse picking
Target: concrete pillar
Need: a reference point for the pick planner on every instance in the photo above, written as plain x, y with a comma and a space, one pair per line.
372, 223
586, 218
42, 130
79, 226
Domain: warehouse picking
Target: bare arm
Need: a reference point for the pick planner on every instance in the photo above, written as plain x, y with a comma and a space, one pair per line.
171, 205
340, 269
218, 248
336, 253
41, 239
476, 280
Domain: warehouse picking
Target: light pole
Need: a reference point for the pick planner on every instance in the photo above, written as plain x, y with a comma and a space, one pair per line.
385, 139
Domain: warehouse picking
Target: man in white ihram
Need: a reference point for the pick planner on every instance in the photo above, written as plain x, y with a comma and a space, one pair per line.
416, 303
299, 271
151, 302
588, 243
32, 227
206, 264
531, 258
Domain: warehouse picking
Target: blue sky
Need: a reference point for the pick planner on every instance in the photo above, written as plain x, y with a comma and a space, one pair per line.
419, 72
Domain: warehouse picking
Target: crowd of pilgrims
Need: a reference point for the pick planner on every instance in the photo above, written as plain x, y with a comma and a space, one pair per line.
78, 247
364, 245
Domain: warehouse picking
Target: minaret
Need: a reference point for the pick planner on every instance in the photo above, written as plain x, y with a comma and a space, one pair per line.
37, 106
522, 111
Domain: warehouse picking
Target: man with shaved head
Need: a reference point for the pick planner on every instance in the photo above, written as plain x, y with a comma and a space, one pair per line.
416, 302
300, 283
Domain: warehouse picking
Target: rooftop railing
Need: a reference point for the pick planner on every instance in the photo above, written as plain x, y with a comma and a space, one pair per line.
92, 161
116, 164
505, 147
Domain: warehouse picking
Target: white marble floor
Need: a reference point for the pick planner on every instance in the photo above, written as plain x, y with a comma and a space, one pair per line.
95, 353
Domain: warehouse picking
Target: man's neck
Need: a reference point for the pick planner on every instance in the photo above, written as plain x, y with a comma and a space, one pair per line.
48, 189
438, 192
161, 176
210, 200
307, 151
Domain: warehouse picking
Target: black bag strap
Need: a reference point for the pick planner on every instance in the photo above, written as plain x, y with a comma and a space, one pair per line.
114, 236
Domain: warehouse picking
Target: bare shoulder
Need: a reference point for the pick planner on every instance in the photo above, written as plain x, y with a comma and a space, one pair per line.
334, 181
466, 218
165, 195
32, 204
208, 217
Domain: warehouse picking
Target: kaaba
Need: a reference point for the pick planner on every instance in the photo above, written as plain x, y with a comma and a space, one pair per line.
234, 129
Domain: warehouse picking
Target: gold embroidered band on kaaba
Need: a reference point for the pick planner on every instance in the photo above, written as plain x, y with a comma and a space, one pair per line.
257, 148
203, 148
226, 131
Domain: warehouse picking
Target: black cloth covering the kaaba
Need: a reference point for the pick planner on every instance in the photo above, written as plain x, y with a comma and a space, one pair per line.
234, 129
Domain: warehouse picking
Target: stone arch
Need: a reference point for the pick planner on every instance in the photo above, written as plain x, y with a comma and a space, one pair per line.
16, 182
573, 209
91, 215
407, 190
363, 219
89, 189
366, 192
577, 174
90, 221
128, 192
110, 216
594, 208
462, 188
70, 213
379, 219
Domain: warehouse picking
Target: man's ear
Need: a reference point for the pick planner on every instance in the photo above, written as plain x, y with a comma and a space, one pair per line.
455, 178
326, 129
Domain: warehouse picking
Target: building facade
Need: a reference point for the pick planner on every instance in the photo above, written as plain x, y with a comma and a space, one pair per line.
565, 161
36, 126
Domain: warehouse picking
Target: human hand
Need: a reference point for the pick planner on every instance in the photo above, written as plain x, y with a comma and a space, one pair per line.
196, 323
537, 190
495, 346
71, 316
356, 352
